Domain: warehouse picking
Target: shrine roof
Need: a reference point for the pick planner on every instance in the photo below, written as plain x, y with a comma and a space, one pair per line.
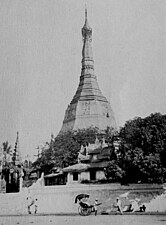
80, 167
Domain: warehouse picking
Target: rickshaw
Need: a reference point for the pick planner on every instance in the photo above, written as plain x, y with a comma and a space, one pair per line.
84, 208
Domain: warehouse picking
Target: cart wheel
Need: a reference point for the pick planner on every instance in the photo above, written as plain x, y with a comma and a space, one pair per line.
80, 210
85, 211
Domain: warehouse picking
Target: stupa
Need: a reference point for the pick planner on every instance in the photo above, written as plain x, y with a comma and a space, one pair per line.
88, 108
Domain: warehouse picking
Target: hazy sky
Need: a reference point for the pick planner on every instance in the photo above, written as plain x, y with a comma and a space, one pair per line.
40, 62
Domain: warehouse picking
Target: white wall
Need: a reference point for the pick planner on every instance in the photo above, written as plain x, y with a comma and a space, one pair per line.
61, 198
85, 175
100, 175
70, 178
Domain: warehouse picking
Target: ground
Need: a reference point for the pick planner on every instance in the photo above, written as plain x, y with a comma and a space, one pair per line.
88, 220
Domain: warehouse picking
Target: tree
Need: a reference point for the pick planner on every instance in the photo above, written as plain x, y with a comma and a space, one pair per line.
152, 170
143, 148
114, 172
62, 150
141, 156
6, 149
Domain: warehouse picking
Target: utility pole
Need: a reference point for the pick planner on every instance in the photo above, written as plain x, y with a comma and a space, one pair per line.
38, 156
39, 153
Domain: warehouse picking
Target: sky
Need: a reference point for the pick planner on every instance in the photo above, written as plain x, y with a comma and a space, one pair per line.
40, 62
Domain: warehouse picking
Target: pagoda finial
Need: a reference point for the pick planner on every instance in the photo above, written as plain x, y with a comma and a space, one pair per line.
85, 12
86, 25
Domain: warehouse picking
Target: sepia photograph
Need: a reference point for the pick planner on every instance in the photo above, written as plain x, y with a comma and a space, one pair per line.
82, 112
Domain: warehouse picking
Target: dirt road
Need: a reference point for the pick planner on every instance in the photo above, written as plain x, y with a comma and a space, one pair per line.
87, 220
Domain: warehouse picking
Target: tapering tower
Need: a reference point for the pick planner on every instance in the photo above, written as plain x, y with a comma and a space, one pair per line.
88, 108
17, 154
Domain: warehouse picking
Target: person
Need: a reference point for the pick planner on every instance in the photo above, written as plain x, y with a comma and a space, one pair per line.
86, 201
36, 205
95, 206
142, 208
135, 206
119, 205
32, 203
128, 208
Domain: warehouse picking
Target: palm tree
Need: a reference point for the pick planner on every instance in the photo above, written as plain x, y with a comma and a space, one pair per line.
6, 149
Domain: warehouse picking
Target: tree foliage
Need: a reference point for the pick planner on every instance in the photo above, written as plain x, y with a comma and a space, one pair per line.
114, 171
6, 147
62, 150
143, 149
141, 156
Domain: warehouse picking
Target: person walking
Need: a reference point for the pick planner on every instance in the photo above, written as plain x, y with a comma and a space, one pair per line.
30, 202
36, 205
119, 205
96, 206
32, 205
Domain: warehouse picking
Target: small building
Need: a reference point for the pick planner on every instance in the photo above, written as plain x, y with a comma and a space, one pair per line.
56, 177
34, 174
92, 162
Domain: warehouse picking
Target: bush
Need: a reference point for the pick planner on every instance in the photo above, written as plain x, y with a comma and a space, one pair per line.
85, 181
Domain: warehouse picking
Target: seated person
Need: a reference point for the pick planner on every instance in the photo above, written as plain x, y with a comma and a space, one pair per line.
84, 203
135, 206
128, 208
142, 208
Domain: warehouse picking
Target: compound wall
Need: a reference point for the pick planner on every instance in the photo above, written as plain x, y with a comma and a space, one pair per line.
61, 199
